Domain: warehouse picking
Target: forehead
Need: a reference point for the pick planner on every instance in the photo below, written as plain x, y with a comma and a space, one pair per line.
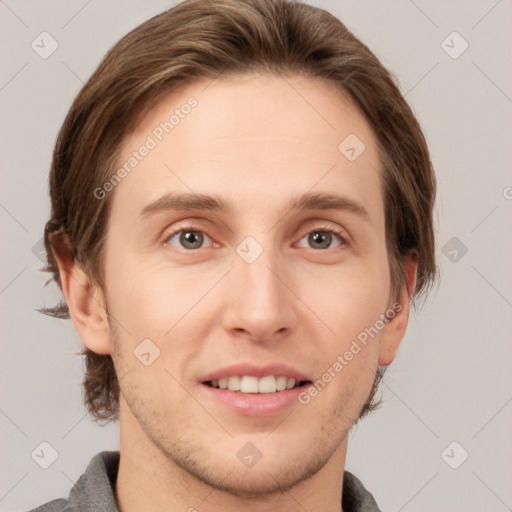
259, 138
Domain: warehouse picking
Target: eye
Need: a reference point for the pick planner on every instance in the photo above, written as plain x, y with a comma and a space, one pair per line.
322, 238
189, 238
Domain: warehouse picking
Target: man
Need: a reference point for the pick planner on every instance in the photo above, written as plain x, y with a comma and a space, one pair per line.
241, 219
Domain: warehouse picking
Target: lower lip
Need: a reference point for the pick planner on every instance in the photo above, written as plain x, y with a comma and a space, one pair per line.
256, 404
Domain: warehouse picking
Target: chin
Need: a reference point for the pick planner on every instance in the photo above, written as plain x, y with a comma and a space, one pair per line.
274, 473
257, 483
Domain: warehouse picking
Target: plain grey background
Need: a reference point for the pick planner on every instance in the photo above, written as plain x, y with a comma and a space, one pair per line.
451, 381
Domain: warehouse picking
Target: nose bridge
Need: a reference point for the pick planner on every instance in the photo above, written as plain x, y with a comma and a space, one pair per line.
259, 302
259, 278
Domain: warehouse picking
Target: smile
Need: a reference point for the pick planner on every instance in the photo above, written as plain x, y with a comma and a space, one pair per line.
252, 384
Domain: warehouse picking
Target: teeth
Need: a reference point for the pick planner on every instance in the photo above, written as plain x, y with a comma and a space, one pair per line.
234, 383
267, 384
290, 383
281, 383
251, 384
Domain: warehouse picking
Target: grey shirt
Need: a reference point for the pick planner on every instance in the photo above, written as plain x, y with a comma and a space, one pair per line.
94, 491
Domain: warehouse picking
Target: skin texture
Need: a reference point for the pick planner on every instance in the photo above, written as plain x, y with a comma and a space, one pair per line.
257, 141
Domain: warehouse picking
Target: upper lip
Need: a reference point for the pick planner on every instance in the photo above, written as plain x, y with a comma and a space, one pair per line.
241, 369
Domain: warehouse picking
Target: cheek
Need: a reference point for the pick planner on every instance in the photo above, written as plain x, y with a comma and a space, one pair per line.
151, 299
348, 299
160, 304
350, 303
134, 304
346, 357
143, 301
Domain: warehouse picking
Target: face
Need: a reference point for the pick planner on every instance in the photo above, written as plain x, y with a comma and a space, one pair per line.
267, 283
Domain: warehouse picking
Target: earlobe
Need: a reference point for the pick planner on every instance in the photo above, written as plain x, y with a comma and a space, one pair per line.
395, 329
85, 302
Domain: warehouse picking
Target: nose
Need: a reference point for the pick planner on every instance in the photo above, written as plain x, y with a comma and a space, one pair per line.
260, 303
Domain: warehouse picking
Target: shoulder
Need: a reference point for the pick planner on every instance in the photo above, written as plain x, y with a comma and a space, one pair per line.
59, 505
355, 496
95, 487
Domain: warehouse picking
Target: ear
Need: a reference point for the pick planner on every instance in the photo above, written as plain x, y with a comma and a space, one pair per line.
394, 331
85, 302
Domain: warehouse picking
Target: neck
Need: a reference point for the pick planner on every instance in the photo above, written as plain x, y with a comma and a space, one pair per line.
150, 480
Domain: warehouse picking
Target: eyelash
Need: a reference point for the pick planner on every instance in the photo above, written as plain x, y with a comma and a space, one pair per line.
321, 229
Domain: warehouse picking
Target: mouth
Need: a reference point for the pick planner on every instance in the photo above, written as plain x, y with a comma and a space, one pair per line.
248, 389
251, 384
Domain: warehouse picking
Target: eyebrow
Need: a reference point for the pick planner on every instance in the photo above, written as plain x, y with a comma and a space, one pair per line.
308, 201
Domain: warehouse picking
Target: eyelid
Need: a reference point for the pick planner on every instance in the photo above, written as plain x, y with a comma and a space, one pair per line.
188, 227
341, 233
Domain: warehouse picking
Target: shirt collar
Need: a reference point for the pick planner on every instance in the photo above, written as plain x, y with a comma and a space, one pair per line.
95, 489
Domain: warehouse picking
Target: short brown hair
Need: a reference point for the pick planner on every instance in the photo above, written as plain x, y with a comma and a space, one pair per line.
200, 39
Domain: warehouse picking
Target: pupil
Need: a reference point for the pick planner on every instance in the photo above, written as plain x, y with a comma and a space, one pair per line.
320, 237
189, 236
